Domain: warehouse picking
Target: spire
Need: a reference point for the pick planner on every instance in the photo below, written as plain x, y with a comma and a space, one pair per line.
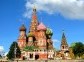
34, 17
34, 22
34, 9
63, 42
63, 35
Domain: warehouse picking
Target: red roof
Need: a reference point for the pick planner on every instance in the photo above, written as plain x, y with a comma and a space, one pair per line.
41, 26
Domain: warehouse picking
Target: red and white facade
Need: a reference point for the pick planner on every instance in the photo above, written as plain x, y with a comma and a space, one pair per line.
36, 37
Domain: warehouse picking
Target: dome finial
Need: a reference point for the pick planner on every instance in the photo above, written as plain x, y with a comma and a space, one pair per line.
63, 31
34, 8
63, 35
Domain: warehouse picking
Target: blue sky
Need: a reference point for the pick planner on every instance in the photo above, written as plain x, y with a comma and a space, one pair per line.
54, 14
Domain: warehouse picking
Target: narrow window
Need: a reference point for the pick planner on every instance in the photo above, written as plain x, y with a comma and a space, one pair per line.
31, 55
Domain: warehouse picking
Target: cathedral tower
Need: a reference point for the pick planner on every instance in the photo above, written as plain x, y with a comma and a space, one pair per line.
34, 22
64, 48
30, 39
64, 45
41, 36
49, 34
22, 37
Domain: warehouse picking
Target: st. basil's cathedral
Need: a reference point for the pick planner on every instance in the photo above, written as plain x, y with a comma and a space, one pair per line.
37, 44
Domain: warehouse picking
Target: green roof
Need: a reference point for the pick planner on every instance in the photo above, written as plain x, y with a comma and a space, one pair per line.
49, 31
30, 34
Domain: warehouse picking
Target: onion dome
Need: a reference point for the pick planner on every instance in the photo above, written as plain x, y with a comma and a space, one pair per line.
41, 26
30, 34
22, 28
49, 31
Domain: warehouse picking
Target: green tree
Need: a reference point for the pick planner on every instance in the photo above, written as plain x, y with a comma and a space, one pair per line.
78, 49
0, 56
14, 51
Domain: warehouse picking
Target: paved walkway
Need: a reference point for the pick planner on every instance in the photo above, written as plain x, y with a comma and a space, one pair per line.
45, 61
53, 61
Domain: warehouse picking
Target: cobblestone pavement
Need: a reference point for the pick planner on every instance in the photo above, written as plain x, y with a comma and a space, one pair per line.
46, 61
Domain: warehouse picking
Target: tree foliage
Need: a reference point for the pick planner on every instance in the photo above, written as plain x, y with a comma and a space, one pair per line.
0, 56
78, 49
29, 48
11, 53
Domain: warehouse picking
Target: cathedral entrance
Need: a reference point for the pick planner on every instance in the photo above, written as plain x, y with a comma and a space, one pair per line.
24, 58
36, 57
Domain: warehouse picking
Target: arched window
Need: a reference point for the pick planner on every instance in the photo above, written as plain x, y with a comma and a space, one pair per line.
63, 47
31, 55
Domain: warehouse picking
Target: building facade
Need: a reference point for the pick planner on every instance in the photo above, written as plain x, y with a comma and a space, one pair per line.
64, 52
37, 43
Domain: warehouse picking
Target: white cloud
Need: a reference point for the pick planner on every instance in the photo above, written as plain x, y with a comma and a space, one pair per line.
1, 48
56, 43
73, 9
55, 40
